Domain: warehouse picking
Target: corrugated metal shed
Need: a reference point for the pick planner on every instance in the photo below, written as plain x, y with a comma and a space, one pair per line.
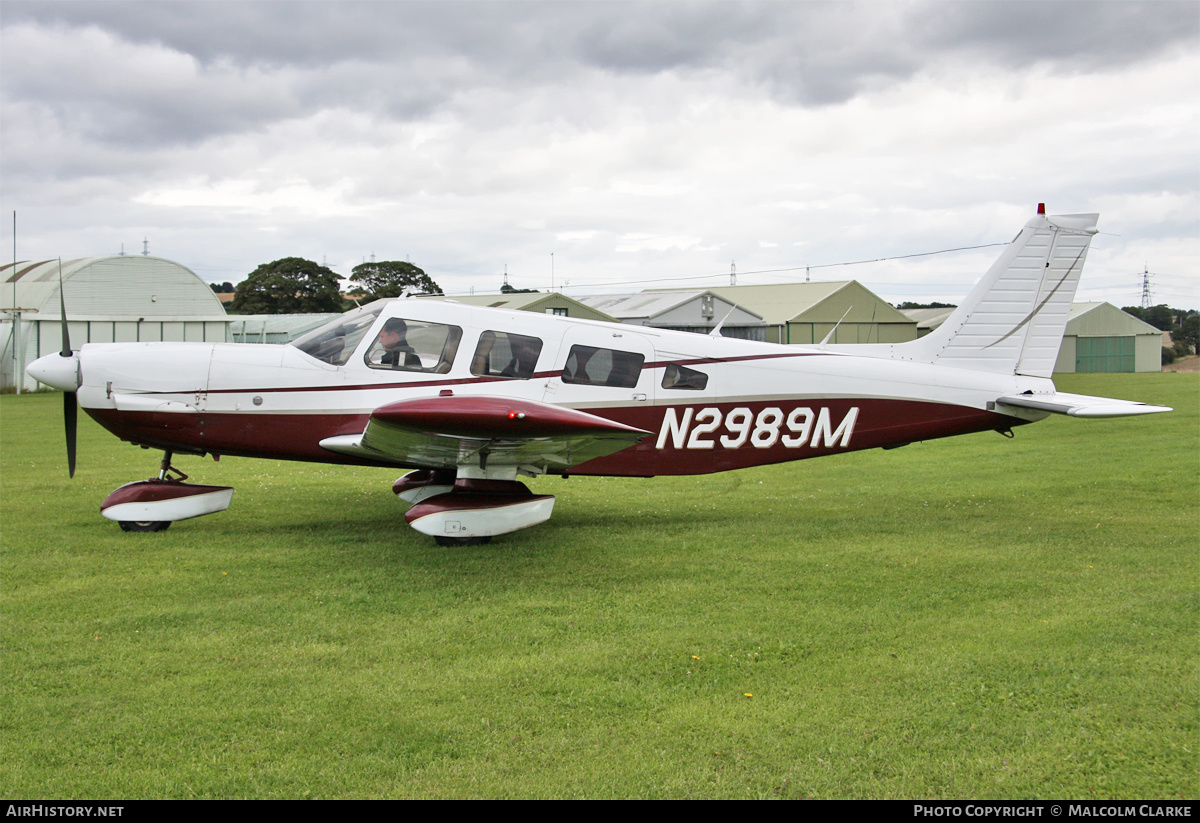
540, 302
928, 319
695, 311
106, 287
1102, 338
806, 312
123, 298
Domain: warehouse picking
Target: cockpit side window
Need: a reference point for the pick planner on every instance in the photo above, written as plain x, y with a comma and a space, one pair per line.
681, 377
334, 342
414, 345
590, 366
500, 354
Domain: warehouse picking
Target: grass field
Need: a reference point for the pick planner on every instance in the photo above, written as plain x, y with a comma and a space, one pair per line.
974, 617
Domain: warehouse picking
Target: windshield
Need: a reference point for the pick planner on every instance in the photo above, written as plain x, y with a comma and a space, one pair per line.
335, 341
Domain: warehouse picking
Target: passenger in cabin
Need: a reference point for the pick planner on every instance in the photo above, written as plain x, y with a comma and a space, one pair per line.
524, 356
399, 354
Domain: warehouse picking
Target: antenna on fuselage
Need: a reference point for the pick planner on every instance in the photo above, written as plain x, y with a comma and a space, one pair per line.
716, 332
834, 329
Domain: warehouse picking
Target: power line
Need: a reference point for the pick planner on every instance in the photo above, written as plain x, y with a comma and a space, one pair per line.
791, 268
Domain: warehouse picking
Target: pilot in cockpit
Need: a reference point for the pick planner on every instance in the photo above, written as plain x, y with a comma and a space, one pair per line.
398, 354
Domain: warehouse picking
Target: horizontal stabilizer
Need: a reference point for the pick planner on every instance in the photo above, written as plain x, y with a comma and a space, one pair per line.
1080, 405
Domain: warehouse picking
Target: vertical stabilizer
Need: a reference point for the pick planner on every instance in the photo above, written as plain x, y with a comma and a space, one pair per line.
1012, 322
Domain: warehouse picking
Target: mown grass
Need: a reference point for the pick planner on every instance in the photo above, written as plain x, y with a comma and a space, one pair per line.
975, 617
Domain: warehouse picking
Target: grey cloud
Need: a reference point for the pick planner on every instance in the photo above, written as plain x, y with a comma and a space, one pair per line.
809, 52
456, 126
306, 34
239, 67
1075, 35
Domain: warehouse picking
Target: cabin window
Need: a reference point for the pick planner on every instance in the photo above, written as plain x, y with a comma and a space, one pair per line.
681, 377
413, 345
335, 341
500, 354
589, 366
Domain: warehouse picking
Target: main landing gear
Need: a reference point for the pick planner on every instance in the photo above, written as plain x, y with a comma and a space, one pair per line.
456, 509
153, 505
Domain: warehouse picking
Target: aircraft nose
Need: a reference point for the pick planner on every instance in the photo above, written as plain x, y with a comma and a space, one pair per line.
56, 371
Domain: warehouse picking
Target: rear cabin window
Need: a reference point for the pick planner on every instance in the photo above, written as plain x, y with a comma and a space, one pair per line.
587, 366
681, 377
500, 354
413, 345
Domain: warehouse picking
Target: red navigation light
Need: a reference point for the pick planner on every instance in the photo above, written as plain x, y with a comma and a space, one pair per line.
1041, 208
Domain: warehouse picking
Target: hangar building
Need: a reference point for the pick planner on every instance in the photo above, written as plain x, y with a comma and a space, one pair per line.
803, 313
694, 311
123, 298
1102, 338
540, 302
929, 319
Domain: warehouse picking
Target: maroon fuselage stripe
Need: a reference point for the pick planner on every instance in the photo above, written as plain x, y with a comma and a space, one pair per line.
880, 422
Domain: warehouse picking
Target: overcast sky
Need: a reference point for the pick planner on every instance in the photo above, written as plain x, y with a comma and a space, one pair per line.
609, 146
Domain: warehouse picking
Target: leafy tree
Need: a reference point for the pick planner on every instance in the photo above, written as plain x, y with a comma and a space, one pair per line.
222, 288
1188, 333
1183, 324
1160, 317
908, 304
292, 285
391, 278
507, 289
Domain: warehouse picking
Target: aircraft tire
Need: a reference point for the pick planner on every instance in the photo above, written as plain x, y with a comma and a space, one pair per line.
144, 525
461, 541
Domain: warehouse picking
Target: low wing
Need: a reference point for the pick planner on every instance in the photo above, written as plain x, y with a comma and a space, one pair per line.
1079, 405
445, 432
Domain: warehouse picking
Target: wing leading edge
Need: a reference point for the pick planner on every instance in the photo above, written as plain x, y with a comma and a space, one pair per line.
445, 432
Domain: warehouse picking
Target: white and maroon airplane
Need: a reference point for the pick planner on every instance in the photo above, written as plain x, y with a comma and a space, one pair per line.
469, 398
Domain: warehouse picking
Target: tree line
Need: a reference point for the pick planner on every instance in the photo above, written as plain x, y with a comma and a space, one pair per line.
294, 285
1183, 324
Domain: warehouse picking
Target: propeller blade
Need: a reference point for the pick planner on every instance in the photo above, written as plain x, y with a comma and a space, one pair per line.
70, 408
62, 304
70, 419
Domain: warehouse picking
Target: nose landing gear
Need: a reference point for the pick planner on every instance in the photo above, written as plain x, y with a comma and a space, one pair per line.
153, 505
